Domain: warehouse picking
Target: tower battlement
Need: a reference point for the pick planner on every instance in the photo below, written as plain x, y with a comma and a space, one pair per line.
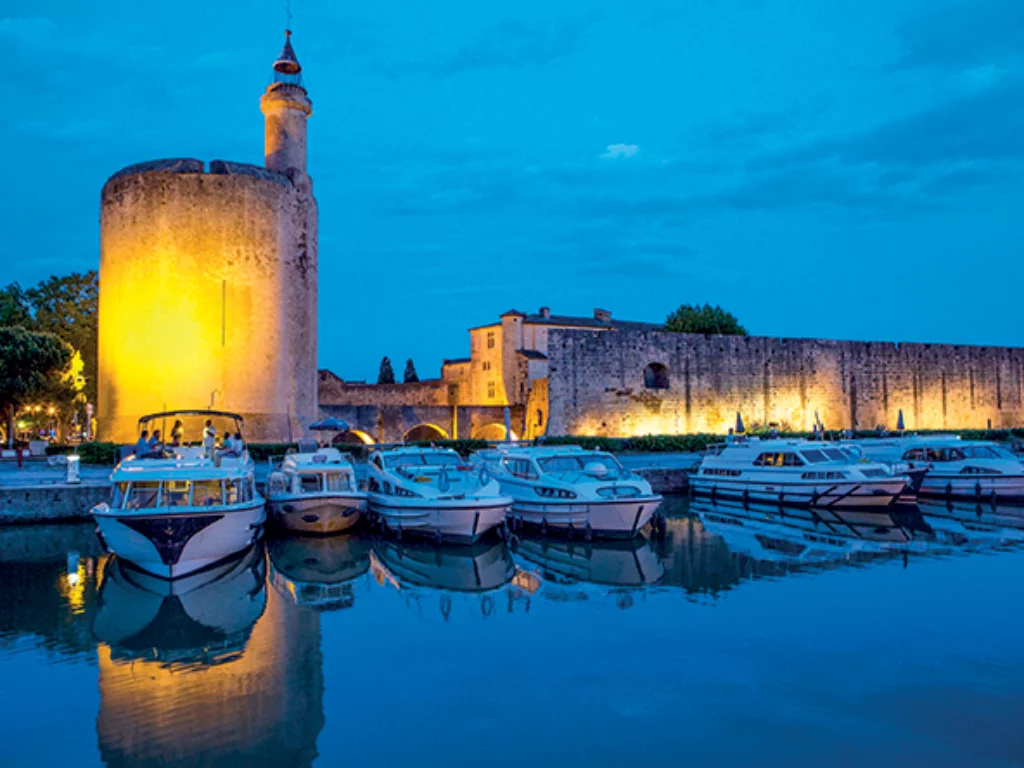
190, 165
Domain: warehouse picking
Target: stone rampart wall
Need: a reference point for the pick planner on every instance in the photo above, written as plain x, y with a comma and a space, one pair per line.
597, 383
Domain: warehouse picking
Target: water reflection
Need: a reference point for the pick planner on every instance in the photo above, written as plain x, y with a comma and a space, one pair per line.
611, 563
217, 671
202, 620
222, 669
48, 587
437, 581
319, 572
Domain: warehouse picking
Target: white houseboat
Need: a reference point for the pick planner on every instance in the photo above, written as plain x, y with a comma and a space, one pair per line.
795, 473
315, 491
179, 509
433, 492
957, 469
570, 490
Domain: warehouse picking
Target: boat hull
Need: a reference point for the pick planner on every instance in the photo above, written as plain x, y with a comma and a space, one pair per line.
173, 545
1007, 489
460, 521
873, 493
320, 514
621, 518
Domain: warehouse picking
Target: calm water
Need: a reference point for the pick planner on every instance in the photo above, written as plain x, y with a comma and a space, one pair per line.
738, 638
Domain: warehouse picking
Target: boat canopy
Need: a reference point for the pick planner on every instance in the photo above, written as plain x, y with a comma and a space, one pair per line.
200, 412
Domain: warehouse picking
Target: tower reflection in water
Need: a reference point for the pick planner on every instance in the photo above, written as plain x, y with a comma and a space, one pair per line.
218, 670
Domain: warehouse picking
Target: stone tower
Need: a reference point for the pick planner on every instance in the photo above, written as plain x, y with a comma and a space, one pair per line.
208, 278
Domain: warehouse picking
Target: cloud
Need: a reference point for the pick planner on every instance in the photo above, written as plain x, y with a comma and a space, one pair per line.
620, 151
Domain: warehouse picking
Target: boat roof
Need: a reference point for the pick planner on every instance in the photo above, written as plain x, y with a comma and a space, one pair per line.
180, 467
412, 449
192, 412
544, 451
324, 458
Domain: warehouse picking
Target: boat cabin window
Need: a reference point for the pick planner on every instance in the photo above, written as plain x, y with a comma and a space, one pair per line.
143, 495
309, 483
785, 459
248, 492
915, 454
176, 493
520, 468
335, 481
420, 459
934, 454
834, 454
276, 484
814, 456
231, 491
579, 463
120, 491
206, 493
985, 452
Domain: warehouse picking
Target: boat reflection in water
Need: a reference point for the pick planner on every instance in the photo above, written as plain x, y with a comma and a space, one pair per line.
773, 534
213, 669
626, 563
318, 572
972, 525
204, 618
464, 574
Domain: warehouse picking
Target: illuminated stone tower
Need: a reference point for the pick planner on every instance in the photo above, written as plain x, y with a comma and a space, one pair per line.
208, 278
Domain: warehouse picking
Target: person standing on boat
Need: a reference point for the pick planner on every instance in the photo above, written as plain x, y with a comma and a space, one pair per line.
177, 434
142, 446
209, 438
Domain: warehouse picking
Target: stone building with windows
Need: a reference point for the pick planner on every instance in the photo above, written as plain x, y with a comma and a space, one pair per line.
507, 367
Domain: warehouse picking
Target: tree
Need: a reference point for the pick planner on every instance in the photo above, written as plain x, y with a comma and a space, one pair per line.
31, 364
691, 318
410, 377
14, 307
387, 374
68, 307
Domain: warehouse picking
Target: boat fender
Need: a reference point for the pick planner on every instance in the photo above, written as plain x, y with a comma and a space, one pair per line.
398, 533
949, 489
446, 607
588, 532
437, 537
487, 606
485, 475
443, 481
570, 531
977, 489
544, 527
746, 497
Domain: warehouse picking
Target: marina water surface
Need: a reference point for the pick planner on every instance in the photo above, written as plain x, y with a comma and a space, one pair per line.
738, 636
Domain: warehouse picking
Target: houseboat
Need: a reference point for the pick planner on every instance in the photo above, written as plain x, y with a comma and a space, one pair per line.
177, 509
314, 491
569, 490
432, 492
953, 468
795, 473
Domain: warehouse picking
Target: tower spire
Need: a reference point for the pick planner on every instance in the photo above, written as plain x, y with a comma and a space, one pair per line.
286, 107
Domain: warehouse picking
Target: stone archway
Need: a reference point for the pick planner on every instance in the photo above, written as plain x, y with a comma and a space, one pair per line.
493, 432
656, 376
353, 437
424, 433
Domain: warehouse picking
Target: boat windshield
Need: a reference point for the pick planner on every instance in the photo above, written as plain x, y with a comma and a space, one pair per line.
607, 462
422, 459
823, 455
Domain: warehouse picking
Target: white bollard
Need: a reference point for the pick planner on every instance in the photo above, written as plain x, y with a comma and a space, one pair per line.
71, 472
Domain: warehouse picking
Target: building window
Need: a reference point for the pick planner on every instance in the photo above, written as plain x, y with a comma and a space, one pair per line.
490, 339
490, 390
487, 365
656, 376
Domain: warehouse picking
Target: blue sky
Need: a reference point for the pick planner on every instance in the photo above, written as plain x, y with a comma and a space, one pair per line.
833, 169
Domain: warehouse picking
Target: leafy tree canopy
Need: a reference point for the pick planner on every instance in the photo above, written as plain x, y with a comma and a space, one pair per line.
692, 318
32, 366
410, 376
67, 307
387, 373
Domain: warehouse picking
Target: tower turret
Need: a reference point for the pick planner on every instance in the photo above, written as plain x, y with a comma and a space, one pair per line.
286, 106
